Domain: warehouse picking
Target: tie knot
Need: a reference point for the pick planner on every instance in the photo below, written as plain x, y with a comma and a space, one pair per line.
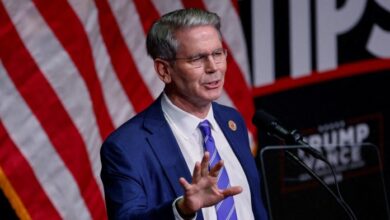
204, 127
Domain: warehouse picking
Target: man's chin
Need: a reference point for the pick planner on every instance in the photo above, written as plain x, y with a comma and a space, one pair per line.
214, 96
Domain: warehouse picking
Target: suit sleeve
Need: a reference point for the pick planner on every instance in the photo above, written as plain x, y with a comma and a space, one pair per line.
124, 190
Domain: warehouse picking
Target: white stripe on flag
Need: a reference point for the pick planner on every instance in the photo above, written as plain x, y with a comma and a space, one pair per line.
32, 141
131, 28
60, 71
166, 6
225, 99
120, 107
58, 68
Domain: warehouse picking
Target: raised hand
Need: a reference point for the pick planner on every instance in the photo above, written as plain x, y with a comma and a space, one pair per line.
203, 191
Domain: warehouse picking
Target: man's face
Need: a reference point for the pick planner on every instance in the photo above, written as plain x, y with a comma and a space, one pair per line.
197, 82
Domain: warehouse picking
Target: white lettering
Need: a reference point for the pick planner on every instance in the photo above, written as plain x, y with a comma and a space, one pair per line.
332, 22
340, 145
263, 33
378, 42
315, 140
330, 140
345, 155
362, 132
356, 153
308, 160
346, 136
300, 46
332, 156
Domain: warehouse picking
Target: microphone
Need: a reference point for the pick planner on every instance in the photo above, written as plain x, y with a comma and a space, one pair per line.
270, 124
273, 128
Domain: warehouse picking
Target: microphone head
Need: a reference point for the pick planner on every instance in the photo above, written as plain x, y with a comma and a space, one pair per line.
271, 125
263, 119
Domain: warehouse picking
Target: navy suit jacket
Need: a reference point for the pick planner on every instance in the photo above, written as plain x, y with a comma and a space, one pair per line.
142, 164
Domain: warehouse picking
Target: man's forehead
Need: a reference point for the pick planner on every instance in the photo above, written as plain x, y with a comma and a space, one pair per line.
200, 37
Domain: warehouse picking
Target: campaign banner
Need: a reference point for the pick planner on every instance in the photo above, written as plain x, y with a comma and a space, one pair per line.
322, 68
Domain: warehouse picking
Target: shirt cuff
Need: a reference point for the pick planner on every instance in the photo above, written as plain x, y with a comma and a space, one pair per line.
176, 212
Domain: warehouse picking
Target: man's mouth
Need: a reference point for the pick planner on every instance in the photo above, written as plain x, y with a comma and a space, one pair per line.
213, 84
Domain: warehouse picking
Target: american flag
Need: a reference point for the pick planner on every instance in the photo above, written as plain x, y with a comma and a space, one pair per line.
71, 72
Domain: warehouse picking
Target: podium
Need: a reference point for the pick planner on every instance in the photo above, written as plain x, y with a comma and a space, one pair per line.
291, 193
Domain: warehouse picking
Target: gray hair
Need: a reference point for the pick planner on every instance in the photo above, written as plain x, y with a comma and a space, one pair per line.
161, 42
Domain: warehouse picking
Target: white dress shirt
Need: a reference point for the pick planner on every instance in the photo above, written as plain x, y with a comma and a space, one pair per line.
190, 140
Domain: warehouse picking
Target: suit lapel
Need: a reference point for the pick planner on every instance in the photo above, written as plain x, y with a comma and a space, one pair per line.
165, 147
234, 137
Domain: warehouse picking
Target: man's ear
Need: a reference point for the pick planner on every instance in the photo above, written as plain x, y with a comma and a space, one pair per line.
163, 70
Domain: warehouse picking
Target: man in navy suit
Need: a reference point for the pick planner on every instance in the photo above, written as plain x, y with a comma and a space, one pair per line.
154, 166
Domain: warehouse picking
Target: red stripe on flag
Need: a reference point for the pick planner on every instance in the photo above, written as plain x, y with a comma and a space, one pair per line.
193, 4
46, 106
236, 6
239, 92
121, 58
235, 84
70, 32
19, 172
147, 13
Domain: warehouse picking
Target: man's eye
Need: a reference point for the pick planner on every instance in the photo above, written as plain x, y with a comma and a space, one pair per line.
195, 59
218, 53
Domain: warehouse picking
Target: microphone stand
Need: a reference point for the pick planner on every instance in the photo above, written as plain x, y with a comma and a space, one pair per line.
296, 138
339, 199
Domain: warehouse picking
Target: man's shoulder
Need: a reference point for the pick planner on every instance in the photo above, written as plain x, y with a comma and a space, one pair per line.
225, 110
129, 131
134, 128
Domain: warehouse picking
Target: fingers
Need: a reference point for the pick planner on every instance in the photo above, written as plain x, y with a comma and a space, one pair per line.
183, 182
202, 169
231, 191
205, 168
215, 170
196, 175
205, 164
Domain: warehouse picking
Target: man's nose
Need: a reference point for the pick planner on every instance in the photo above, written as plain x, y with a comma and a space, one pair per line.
209, 64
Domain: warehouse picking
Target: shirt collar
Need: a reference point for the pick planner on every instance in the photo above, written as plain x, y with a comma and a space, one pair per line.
184, 121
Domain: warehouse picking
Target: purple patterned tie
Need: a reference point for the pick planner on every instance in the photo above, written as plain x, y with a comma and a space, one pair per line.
225, 209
